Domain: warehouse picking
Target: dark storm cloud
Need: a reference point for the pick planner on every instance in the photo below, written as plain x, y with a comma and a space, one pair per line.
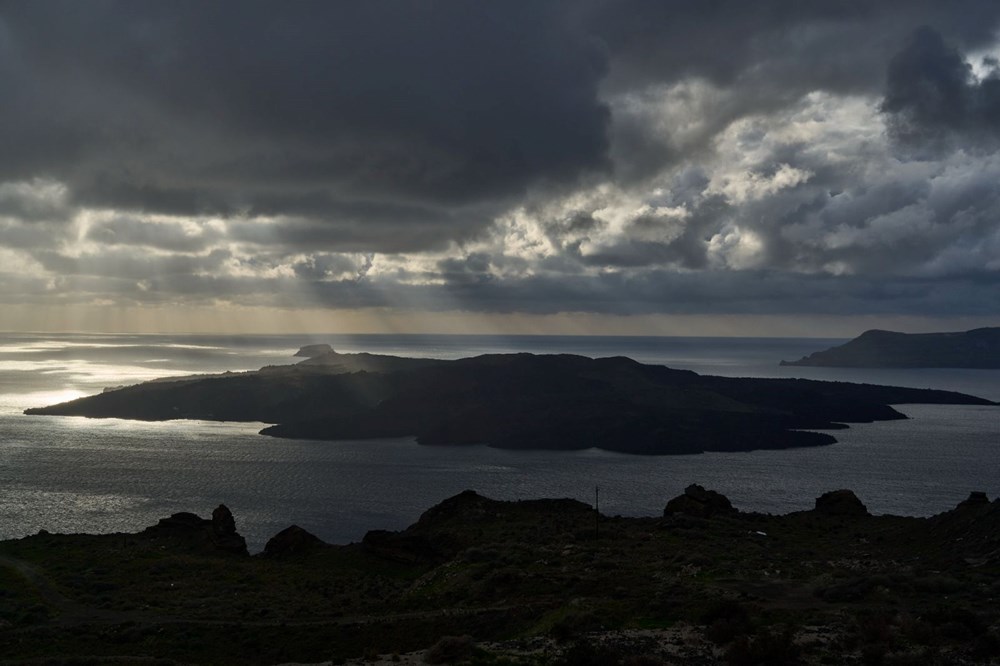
251, 106
830, 45
360, 226
932, 94
621, 156
473, 268
129, 265
756, 292
766, 54
225, 107
750, 292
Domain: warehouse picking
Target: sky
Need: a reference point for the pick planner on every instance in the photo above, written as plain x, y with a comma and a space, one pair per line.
691, 167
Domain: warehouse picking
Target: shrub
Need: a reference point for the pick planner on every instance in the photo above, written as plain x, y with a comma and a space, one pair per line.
450, 649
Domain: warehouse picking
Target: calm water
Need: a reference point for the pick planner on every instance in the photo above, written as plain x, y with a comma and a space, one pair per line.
70, 474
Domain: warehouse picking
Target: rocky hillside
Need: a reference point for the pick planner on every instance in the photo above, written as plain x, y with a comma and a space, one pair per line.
979, 348
476, 580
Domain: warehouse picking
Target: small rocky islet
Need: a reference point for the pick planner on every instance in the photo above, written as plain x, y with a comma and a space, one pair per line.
550, 581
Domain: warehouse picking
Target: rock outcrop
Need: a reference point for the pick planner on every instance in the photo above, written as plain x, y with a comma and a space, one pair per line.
217, 534
975, 500
699, 503
842, 503
292, 541
972, 527
224, 534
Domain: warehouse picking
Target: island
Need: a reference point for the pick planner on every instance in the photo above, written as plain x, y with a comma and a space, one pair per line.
978, 348
517, 401
535, 582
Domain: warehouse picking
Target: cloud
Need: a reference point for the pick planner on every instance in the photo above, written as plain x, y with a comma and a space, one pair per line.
169, 235
250, 107
611, 156
37, 200
932, 95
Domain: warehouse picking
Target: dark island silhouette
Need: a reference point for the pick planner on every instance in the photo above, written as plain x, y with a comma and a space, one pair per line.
535, 582
978, 348
518, 401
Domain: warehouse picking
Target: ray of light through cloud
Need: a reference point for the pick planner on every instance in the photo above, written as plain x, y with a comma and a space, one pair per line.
607, 165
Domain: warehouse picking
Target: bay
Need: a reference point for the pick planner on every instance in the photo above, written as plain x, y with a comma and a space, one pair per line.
68, 474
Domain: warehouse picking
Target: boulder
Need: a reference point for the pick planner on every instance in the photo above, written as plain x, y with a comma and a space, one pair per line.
182, 521
291, 541
189, 530
840, 503
976, 499
700, 503
224, 534
223, 522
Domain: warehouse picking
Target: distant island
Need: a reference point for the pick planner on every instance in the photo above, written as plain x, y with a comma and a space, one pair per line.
517, 401
978, 348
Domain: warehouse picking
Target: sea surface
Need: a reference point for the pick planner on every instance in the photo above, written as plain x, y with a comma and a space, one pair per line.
70, 474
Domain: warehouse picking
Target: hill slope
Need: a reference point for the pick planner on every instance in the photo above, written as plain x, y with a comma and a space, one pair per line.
978, 348
831, 585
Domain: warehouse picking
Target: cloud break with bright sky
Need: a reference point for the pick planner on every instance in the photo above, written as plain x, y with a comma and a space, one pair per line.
674, 166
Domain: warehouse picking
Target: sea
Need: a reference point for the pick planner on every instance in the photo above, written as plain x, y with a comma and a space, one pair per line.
72, 474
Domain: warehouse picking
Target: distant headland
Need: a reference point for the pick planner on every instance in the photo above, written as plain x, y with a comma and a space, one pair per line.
517, 401
978, 348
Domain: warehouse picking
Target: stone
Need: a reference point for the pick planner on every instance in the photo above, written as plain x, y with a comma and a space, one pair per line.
219, 533
976, 499
223, 522
223, 531
699, 503
291, 541
840, 503
183, 520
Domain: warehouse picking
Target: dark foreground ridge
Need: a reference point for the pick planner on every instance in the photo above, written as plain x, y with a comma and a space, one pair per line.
979, 348
521, 401
480, 581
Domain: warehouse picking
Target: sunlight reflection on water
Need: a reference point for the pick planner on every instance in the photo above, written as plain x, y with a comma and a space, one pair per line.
74, 474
